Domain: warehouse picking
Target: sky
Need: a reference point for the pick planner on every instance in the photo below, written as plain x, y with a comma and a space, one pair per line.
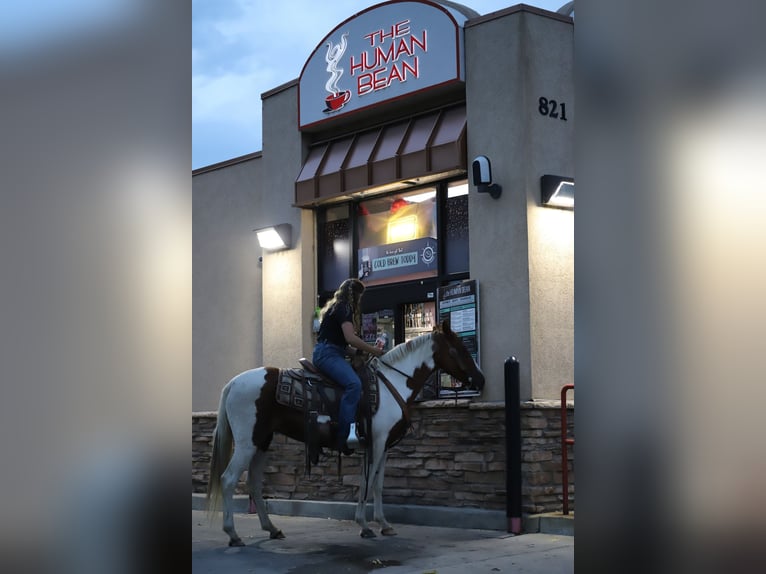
243, 48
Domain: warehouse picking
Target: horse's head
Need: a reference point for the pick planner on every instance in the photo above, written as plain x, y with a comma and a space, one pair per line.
451, 356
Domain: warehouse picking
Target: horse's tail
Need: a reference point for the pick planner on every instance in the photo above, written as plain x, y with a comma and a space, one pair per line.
219, 459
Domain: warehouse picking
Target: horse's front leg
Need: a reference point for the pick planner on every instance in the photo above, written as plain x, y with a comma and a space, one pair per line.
367, 486
377, 492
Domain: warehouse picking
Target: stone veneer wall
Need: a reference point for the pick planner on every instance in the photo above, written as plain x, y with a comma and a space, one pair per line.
453, 456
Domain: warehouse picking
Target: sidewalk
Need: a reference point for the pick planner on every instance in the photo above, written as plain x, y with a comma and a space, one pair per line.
455, 517
330, 546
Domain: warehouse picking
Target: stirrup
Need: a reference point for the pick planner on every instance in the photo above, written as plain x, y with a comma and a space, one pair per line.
353, 438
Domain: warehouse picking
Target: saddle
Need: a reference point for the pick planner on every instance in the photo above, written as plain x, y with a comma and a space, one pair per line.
309, 389
311, 392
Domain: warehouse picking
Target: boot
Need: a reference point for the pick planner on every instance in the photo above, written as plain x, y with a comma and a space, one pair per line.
343, 442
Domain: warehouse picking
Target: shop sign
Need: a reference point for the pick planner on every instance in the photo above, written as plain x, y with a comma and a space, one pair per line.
459, 303
385, 52
403, 260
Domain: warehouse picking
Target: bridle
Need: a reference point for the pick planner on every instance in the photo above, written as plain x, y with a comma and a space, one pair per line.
392, 389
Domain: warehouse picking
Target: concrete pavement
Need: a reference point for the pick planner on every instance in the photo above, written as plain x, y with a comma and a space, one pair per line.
330, 546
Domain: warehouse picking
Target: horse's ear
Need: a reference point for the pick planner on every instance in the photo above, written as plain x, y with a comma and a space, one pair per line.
445, 326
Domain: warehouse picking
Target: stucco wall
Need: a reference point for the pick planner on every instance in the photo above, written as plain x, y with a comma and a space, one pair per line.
226, 278
496, 123
550, 150
288, 276
523, 257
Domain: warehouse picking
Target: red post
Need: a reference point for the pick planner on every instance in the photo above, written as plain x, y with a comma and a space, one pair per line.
564, 443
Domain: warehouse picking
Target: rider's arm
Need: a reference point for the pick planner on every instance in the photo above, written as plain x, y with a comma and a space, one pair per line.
356, 342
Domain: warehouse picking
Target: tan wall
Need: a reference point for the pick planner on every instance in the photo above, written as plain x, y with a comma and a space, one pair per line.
521, 253
289, 277
227, 295
498, 227
550, 150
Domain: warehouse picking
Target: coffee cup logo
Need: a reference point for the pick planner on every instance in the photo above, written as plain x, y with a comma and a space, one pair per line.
337, 98
337, 101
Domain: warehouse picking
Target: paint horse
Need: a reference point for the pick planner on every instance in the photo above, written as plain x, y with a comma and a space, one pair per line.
249, 415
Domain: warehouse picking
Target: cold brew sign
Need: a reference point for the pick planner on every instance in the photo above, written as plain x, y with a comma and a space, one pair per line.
385, 52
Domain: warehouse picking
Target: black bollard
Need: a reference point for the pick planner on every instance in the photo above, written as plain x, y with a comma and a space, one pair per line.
513, 445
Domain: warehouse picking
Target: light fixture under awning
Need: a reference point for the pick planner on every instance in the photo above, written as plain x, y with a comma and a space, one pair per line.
411, 149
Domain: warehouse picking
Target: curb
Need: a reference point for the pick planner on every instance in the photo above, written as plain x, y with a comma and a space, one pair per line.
469, 518
444, 516
550, 523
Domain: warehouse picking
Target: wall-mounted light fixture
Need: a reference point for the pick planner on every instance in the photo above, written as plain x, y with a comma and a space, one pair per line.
481, 170
275, 237
557, 191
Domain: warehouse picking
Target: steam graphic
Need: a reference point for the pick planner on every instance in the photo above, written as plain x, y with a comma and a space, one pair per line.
337, 98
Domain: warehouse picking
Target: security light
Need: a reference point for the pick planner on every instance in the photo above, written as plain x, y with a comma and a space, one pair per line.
275, 237
557, 191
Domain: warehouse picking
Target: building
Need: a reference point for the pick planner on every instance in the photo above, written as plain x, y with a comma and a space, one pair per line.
367, 162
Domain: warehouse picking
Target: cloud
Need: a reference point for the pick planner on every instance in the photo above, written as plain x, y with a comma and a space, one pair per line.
228, 95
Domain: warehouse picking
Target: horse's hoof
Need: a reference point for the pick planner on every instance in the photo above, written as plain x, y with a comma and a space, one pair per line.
367, 533
388, 532
276, 535
237, 542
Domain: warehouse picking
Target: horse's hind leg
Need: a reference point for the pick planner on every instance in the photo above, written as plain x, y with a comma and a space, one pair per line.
239, 461
255, 481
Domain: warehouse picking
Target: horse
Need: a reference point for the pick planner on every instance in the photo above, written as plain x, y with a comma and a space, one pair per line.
249, 415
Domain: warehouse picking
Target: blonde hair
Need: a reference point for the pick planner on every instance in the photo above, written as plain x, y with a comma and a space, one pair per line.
349, 293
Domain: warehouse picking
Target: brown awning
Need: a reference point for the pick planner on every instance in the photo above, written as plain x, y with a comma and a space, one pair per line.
418, 147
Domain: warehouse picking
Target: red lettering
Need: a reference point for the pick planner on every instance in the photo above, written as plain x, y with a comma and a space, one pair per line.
397, 30
383, 57
357, 67
412, 69
371, 38
380, 80
402, 48
394, 75
422, 44
383, 35
364, 84
402, 28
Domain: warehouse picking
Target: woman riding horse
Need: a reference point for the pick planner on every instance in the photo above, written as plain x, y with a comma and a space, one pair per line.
341, 321
243, 433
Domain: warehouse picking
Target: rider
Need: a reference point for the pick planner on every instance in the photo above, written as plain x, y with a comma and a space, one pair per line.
341, 320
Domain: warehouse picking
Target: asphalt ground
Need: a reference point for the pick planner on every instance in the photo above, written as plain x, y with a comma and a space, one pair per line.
330, 546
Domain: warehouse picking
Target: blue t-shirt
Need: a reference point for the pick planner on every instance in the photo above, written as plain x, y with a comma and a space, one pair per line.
330, 330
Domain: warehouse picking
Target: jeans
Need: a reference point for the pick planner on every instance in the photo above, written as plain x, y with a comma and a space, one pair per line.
330, 359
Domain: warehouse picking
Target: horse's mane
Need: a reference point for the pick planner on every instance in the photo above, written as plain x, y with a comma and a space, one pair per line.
405, 348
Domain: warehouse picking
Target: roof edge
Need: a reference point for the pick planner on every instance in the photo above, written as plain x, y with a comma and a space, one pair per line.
519, 8
227, 163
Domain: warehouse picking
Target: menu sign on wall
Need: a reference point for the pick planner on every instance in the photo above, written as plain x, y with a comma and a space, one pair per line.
384, 52
459, 303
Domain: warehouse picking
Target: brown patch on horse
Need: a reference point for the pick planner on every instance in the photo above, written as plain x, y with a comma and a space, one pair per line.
263, 430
